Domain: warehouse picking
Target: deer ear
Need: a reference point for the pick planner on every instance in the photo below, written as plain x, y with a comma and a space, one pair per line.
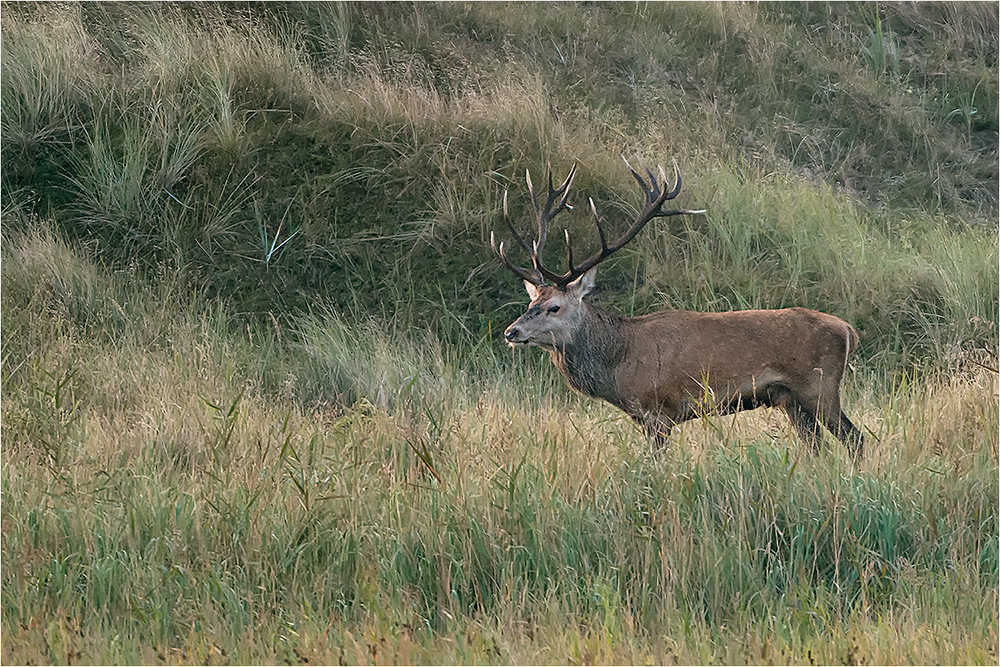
532, 290
581, 287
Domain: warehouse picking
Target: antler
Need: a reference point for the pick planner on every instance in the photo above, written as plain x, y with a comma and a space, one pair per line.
555, 203
656, 196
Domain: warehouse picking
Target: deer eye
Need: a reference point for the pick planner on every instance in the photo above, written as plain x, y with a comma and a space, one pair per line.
553, 309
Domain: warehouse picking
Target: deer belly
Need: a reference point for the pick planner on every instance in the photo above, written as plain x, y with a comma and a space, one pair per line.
685, 398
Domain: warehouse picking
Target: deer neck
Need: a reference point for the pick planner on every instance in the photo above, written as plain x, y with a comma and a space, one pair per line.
589, 360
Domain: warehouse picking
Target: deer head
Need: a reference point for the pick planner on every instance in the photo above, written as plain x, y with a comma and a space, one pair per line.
555, 312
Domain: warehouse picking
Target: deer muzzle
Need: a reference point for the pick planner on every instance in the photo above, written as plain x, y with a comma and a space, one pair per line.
515, 336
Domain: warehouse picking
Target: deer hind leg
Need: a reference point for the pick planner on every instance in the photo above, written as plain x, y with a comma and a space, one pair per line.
833, 418
804, 421
845, 431
802, 417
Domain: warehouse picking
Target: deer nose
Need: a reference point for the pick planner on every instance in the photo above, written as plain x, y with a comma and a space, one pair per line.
513, 335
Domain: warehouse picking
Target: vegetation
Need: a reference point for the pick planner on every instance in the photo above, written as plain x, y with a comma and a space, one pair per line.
255, 401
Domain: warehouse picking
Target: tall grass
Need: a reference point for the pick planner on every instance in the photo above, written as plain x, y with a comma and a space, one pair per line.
256, 406
175, 485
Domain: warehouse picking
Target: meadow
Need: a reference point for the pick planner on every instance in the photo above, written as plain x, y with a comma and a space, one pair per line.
256, 405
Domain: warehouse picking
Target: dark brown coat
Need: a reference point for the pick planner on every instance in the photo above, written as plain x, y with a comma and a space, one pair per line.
670, 366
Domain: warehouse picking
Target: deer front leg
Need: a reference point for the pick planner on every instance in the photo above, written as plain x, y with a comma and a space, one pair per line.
656, 426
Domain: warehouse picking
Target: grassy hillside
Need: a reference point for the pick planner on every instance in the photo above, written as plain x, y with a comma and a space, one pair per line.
256, 406
279, 157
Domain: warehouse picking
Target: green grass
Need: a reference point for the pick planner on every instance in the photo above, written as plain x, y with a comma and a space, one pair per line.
192, 493
256, 405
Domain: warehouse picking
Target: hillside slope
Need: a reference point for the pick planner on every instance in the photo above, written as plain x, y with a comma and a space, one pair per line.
281, 156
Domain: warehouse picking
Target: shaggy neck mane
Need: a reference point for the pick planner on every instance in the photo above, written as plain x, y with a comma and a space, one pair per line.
588, 362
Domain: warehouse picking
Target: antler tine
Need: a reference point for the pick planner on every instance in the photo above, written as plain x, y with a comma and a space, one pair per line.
563, 190
655, 197
517, 237
525, 274
569, 250
677, 181
673, 193
597, 223
654, 184
652, 190
531, 188
636, 176
555, 203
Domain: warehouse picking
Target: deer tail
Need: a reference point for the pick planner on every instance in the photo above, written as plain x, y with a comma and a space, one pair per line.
850, 343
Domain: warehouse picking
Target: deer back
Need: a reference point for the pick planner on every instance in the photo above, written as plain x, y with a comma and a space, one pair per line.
673, 355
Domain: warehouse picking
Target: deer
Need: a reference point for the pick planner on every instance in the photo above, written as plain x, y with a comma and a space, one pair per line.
671, 366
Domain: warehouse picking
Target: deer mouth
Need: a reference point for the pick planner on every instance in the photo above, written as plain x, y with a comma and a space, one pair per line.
515, 337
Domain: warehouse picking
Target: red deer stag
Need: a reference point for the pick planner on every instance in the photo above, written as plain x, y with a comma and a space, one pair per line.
660, 368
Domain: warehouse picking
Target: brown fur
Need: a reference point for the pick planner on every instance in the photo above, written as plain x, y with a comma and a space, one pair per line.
670, 366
